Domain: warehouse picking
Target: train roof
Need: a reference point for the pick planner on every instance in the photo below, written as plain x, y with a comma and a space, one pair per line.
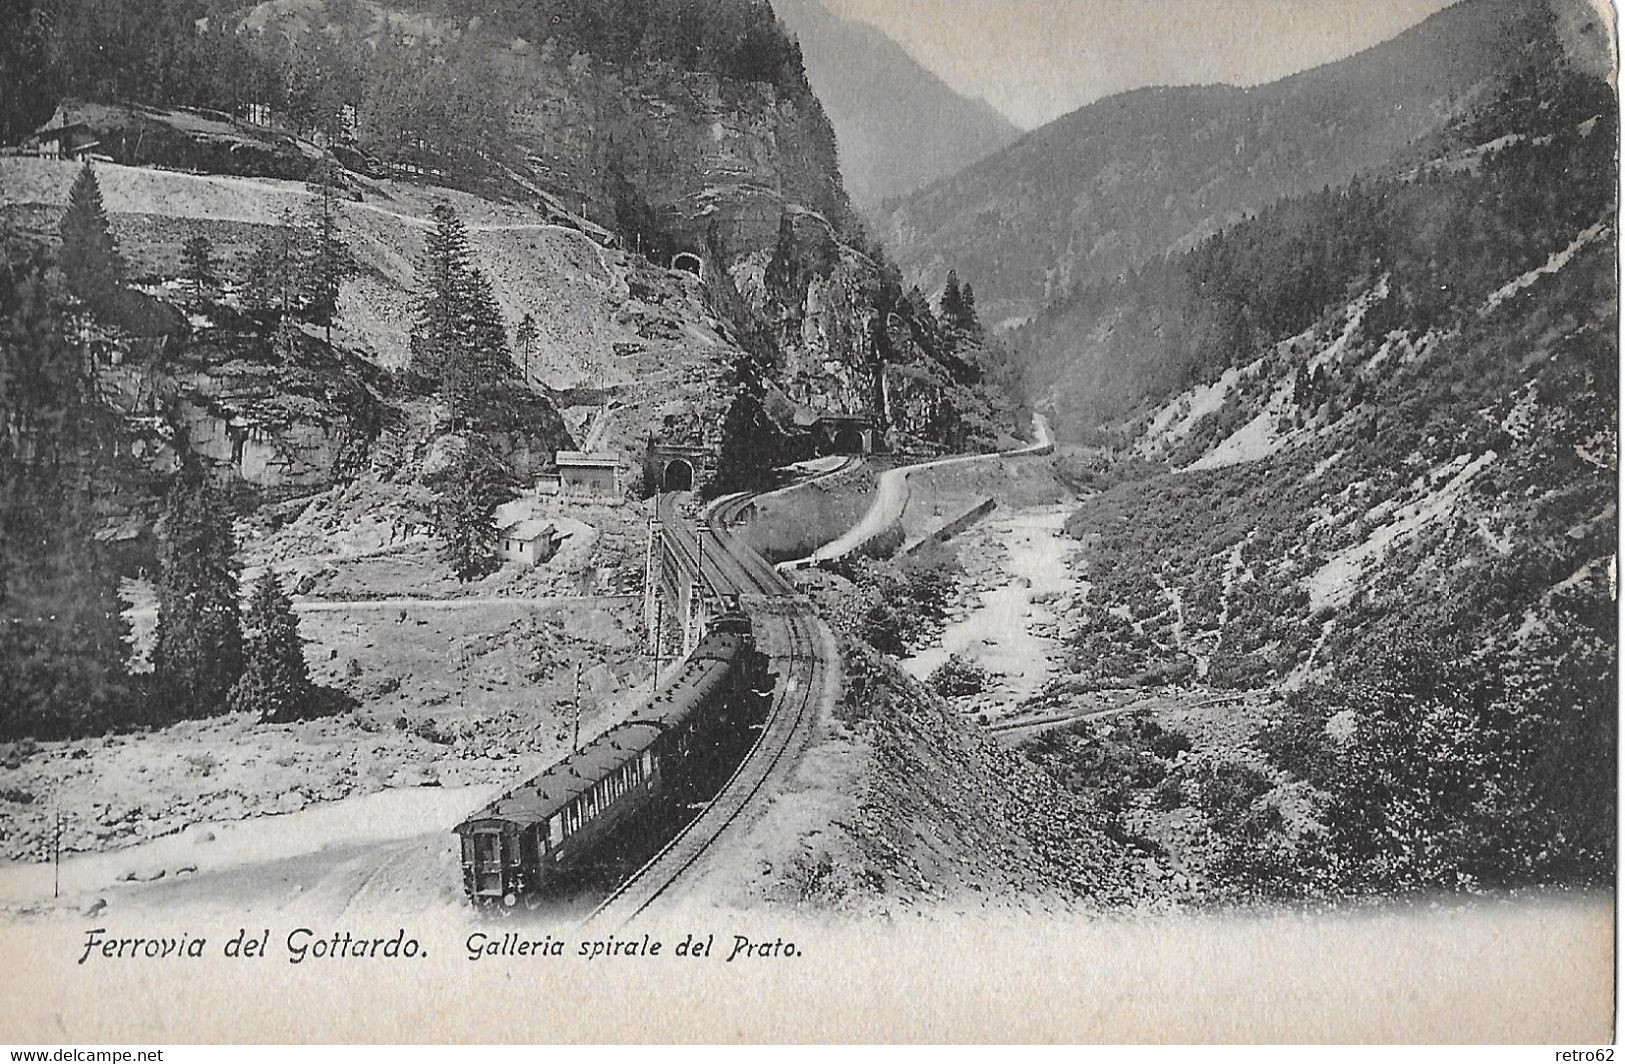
538, 798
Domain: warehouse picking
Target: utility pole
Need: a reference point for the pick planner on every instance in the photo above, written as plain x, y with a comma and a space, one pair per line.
697, 605
651, 587
56, 846
659, 621
575, 741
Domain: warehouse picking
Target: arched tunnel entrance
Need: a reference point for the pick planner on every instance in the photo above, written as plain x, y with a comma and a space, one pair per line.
690, 262
849, 440
679, 476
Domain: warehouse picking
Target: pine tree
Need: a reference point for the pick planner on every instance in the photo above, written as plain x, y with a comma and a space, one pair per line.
439, 347
459, 338
198, 270
952, 307
62, 631
967, 309
275, 684
90, 256
331, 262
198, 655
751, 446
526, 337
486, 334
278, 273
465, 514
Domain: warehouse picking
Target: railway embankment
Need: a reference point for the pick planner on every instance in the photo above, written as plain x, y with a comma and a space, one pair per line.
900, 805
795, 521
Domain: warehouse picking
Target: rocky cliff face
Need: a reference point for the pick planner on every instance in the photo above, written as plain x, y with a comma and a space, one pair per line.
275, 428
838, 351
697, 149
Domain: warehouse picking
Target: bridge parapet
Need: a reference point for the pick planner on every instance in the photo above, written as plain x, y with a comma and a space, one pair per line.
673, 577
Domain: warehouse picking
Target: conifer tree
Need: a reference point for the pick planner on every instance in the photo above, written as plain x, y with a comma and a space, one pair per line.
459, 339
278, 273
198, 655
465, 515
967, 309
526, 337
198, 269
437, 341
951, 308
487, 333
90, 256
62, 631
275, 684
752, 445
331, 261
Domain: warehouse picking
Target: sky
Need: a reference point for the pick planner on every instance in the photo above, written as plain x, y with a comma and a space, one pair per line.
1035, 60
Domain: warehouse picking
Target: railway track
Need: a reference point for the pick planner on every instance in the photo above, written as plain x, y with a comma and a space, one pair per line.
801, 653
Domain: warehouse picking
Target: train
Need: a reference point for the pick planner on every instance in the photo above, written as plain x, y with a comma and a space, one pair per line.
675, 751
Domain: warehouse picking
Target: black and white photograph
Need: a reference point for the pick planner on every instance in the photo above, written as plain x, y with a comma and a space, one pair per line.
833, 520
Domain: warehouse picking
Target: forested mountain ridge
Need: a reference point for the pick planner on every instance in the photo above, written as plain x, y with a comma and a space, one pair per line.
665, 127
1127, 179
1493, 191
899, 127
627, 109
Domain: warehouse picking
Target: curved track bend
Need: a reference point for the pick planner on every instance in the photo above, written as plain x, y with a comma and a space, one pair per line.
803, 659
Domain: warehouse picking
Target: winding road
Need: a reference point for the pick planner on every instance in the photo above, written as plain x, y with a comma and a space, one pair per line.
892, 496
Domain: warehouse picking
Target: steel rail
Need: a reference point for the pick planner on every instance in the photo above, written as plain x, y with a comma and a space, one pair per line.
803, 659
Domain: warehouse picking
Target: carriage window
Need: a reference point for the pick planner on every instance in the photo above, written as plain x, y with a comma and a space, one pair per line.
555, 829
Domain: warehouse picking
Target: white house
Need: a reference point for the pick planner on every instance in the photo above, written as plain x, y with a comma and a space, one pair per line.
530, 542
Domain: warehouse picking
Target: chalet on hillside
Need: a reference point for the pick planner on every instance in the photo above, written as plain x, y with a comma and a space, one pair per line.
73, 141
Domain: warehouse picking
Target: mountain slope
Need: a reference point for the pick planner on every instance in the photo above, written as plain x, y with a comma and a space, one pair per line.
897, 125
1372, 477
1132, 177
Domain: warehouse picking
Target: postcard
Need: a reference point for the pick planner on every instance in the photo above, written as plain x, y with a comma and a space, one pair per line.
821, 521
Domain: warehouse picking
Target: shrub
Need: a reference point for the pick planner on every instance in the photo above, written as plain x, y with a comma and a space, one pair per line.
1169, 794
957, 677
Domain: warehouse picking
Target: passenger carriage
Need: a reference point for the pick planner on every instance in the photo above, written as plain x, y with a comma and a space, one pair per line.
677, 749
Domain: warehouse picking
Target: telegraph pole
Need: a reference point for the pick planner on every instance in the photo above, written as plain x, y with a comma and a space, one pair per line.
575, 741
659, 621
56, 846
699, 538
651, 586
697, 618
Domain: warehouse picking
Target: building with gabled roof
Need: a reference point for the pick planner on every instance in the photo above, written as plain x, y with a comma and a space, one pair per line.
530, 542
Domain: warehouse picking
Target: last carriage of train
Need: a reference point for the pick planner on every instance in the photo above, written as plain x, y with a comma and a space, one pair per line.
628, 789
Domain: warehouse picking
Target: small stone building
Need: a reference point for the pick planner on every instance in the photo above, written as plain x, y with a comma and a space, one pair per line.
530, 543
588, 474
